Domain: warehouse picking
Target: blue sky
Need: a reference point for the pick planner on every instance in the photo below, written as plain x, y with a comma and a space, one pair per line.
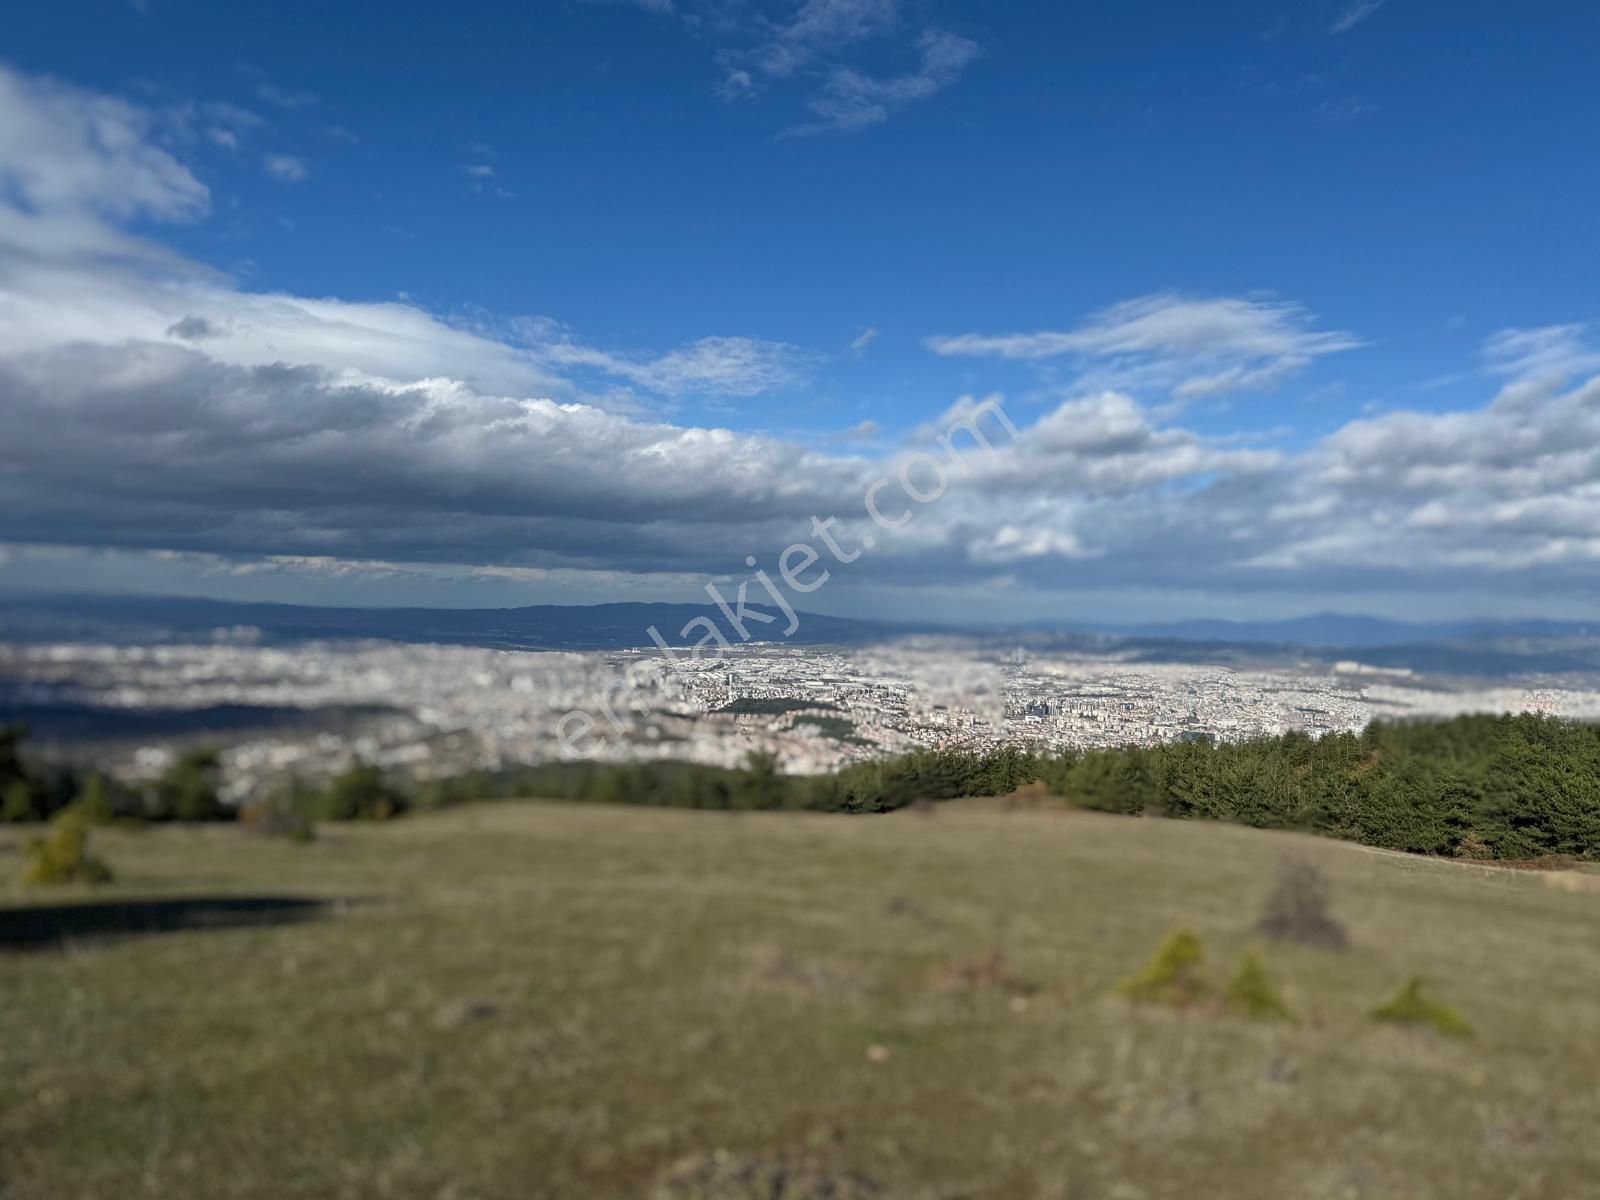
1261, 226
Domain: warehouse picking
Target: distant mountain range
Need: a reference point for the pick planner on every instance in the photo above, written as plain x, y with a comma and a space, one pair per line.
536, 627
1340, 630
1487, 648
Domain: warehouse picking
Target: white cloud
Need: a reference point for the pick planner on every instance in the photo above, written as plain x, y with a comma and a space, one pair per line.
287, 99
231, 116
718, 366
823, 27
1540, 361
66, 151
859, 344
1351, 108
737, 84
1192, 346
285, 167
1510, 486
149, 404
850, 100
1353, 14
225, 138
480, 170
815, 41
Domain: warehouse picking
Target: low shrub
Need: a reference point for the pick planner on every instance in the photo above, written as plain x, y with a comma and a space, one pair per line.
62, 855
1409, 1006
94, 801
1296, 910
1172, 976
1250, 993
285, 813
361, 794
187, 790
17, 804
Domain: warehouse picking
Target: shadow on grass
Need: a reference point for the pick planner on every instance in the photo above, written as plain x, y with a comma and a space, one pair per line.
52, 926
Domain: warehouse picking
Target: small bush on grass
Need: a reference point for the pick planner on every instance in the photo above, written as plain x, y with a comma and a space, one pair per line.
1409, 1006
1250, 993
361, 794
284, 812
187, 790
1296, 910
1172, 976
94, 801
62, 855
17, 804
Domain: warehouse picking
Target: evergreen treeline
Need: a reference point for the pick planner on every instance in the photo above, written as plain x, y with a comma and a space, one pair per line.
1480, 787
871, 787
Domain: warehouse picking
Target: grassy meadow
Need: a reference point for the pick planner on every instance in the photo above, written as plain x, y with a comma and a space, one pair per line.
538, 1001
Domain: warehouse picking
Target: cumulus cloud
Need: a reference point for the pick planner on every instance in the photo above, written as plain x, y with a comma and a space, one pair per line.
151, 405
1193, 346
192, 329
1514, 485
147, 445
172, 448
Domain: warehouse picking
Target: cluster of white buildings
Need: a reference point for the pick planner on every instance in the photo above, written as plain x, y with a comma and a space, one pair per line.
438, 709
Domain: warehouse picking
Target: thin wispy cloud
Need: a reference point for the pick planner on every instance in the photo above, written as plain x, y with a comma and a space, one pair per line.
850, 100
285, 98
813, 46
738, 84
859, 344
1354, 14
1537, 362
1351, 108
1192, 347
231, 116
824, 27
711, 366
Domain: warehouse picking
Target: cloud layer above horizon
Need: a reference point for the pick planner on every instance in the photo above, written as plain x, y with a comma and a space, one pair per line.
150, 404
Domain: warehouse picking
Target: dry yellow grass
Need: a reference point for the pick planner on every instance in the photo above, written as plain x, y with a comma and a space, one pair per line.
547, 1001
